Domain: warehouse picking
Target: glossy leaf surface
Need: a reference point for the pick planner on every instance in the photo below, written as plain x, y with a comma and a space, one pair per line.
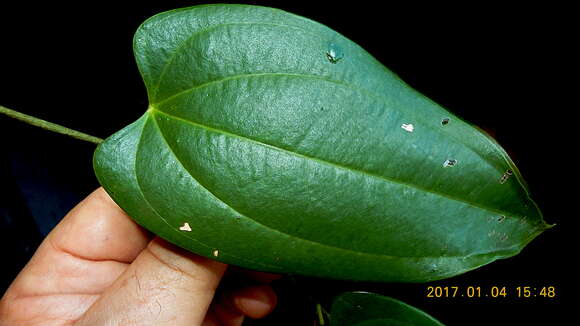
369, 309
274, 143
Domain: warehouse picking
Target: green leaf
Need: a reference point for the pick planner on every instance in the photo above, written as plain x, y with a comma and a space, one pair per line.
369, 309
274, 143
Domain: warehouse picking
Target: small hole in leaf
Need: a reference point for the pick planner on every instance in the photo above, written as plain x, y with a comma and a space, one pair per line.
501, 218
334, 53
505, 176
434, 268
449, 163
216, 253
408, 127
185, 227
444, 121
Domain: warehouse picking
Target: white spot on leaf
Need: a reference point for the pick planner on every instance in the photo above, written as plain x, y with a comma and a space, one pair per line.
185, 227
408, 127
216, 253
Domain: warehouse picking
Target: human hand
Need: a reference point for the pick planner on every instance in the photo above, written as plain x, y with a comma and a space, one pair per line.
97, 267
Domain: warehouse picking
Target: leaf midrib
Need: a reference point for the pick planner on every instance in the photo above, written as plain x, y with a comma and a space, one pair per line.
367, 174
377, 97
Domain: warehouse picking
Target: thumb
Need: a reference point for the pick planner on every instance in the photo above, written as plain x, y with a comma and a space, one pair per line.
165, 285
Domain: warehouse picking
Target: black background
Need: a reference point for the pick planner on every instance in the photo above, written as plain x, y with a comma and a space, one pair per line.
498, 67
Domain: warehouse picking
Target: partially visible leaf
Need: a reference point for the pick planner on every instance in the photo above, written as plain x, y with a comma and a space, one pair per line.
274, 143
369, 309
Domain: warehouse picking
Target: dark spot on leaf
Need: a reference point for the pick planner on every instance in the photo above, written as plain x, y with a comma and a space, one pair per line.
445, 121
501, 218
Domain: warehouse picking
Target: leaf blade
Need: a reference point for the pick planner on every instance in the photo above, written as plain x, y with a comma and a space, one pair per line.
363, 308
361, 155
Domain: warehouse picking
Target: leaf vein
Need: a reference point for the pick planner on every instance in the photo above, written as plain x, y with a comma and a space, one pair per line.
205, 30
162, 136
356, 88
161, 216
325, 162
262, 74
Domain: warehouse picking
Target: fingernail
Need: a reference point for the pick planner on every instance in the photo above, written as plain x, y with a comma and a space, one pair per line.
256, 302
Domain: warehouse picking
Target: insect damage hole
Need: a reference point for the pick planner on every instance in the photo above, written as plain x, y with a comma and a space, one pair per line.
408, 127
449, 163
185, 227
507, 174
434, 268
334, 53
216, 253
444, 121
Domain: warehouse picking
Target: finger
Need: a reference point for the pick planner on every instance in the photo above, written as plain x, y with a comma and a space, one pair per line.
226, 314
165, 285
211, 319
84, 253
98, 229
232, 306
255, 301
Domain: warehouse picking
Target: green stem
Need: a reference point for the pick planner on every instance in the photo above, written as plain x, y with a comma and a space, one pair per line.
320, 314
49, 125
